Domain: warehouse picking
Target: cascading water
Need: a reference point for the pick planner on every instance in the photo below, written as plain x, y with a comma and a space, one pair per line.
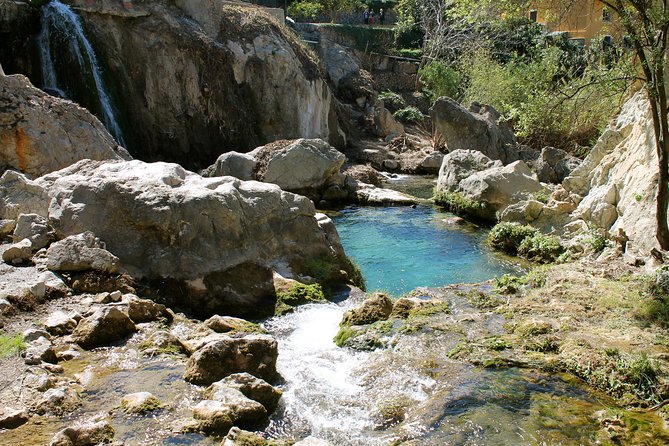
62, 41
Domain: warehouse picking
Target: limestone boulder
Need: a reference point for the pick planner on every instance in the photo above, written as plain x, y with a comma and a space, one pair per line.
139, 402
254, 354
57, 401
554, 165
41, 133
87, 434
218, 238
81, 252
431, 164
225, 324
303, 165
40, 350
59, 323
145, 310
162, 342
19, 252
105, 326
234, 164
385, 122
20, 195
477, 128
498, 187
460, 164
338, 62
254, 388
375, 308
243, 411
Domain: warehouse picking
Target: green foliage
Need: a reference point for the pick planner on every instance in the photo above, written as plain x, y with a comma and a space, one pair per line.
497, 344
392, 101
409, 115
344, 334
440, 79
597, 239
482, 300
456, 202
540, 248
430, 310
536, 278
541, 196
411, 53
655, 308
305, 10
508, 284
546, 102
408, 33
365, 38
11, 345
507, 236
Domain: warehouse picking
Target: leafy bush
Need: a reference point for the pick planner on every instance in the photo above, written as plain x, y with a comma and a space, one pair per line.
305, 10
409, 115
440, 79
508, 284
456, 202
597, 239
507, 236
392, 101
541, 248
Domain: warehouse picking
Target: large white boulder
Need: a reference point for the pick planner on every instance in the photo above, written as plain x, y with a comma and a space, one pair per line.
460, 164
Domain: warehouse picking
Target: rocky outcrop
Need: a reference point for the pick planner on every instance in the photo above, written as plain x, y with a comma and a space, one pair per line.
220, 238
460, 164
478, 128
40, 133
222, 76
618, 178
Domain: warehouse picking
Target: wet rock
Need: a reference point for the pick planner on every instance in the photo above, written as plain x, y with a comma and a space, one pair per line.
375, 308
40, 350
402, 307
213, 417
81, 252
106, 325
68, 355
57, 401
140, 402
60, 324
225, 324
252, 387
163, 342
533, 327
312, 441
367, 194
255, 354
233, 405
51, 134
13, 418
19, 252
239, 437
144, 310
32, 334
89, 434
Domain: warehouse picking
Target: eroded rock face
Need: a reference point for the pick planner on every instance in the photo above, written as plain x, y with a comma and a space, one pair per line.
40, 133
220, 238
221, 76
255, 354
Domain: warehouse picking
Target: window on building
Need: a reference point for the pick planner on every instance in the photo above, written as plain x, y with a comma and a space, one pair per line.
606, 15
534, 15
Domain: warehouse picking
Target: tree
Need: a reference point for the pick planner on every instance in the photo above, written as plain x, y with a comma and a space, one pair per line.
646, 22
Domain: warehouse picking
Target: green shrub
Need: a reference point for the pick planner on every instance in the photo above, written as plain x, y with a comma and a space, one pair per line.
507, 237
305, 10
540, 248
597, 239
508, 284
440, 79
541, 196
11, 345
456, 202
392, 101
409, 115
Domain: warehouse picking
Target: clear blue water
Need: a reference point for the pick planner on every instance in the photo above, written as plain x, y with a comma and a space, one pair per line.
401, 248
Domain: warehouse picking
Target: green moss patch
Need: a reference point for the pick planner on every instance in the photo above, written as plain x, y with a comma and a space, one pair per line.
298, 294
458, 203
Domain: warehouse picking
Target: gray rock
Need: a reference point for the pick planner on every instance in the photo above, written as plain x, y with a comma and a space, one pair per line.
13, 418
224, 324
385, 122
35, 228
81, 252
144, 310
5, 306
255, 354
32, 334
162, 342
460, 164
106, 325
57, 401
213, 417
232, 404
40, 350
60, 324
235, 164
18, 252
20, 195
51, 134
254, 388
89, 434
432, 163
554, 165
7, 227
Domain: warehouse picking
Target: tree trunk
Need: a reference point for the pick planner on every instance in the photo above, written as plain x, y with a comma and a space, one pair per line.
662, 233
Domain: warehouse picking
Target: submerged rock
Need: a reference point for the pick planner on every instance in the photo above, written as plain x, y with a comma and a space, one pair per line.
106, 325
89, 434
255, 354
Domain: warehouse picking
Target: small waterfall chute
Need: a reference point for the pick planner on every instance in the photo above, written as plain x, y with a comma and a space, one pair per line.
62, 41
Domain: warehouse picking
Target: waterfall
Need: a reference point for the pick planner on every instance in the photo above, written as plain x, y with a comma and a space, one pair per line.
62, 37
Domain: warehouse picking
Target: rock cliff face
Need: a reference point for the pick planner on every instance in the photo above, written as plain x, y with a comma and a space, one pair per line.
40, 133
618, 179
221, 77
